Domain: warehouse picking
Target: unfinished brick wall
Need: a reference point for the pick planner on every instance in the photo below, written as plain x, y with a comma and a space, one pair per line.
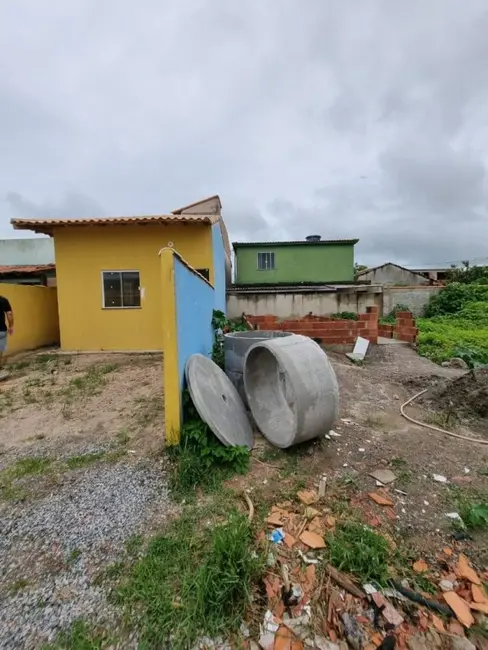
330, 331
404, 328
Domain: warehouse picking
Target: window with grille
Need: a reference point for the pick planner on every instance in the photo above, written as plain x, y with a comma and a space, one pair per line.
266, 261
121, 289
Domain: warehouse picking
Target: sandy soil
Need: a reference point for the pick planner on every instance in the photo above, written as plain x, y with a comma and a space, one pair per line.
55, 401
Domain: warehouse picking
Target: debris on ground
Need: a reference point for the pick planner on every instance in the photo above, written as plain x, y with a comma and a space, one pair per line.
360, 350
384, 476
312, 604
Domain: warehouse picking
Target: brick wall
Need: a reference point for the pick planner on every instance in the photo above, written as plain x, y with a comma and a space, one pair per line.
330, 331
404, 328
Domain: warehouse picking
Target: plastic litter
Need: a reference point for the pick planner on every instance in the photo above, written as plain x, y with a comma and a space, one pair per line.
277, 536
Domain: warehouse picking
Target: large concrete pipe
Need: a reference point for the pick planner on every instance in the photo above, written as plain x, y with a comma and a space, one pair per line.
236, 345
291, 389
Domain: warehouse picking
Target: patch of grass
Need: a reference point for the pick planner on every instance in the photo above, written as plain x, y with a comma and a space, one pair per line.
134, 544
10, 492
148, 411
18, 585
22, 468
80, 636
123, 437
442, 420
27, 466
398, 462
44, 359
196, 579
471, 505
474, 515
6, 401
422, 583
85, 385
357, 549
74, 556
18, 365
29, 397
75, 462
200, 460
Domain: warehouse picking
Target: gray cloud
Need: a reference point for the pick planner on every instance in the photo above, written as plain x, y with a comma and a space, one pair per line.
344, 119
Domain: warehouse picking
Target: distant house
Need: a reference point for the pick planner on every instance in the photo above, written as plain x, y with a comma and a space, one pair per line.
27, 261
312, 260
435, 273
111, 293
392, 274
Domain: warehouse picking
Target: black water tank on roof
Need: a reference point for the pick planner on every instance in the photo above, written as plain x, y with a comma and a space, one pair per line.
312, 238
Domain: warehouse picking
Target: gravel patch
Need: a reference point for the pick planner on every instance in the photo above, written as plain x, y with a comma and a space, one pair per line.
51, 549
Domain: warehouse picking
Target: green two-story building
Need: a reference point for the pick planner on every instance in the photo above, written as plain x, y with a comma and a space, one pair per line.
313, 260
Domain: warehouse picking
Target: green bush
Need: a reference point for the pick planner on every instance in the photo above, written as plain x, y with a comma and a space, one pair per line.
344, 315
201, 459
453, 298
456, 325
391, 318
443, 337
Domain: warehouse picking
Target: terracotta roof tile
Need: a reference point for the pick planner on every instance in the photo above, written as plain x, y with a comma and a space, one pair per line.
26, 269
47, 225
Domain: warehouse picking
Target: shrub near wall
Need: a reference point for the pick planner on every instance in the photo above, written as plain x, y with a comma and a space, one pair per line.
35, 314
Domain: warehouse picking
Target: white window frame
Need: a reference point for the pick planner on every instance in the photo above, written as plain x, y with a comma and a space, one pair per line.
120, 271
271, 258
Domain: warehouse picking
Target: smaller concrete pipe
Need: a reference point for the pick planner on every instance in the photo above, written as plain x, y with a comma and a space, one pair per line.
236, 345
291, 389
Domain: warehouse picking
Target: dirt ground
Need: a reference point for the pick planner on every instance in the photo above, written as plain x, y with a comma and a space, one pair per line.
373, 434
55, 402
65, 408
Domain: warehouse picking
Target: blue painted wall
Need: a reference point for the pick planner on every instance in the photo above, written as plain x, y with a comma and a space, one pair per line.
195, 301
219, 268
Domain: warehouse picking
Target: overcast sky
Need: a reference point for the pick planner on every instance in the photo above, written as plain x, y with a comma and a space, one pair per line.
347, 118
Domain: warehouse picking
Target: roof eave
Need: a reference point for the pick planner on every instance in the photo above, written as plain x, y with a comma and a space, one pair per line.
322, 242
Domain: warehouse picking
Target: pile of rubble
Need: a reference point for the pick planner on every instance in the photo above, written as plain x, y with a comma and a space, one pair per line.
313, 606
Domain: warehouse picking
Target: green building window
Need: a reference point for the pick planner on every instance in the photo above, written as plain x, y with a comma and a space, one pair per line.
266, 261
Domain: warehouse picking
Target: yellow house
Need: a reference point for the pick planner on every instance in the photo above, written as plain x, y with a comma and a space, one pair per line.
110, 290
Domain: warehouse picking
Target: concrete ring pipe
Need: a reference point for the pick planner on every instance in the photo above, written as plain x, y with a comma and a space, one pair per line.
236, 345
291, 389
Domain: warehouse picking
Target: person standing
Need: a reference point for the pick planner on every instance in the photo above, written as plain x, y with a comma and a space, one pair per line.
6, 325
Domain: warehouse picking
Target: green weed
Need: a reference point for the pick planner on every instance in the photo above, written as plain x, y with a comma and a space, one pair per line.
398, 462
133, 544
80, 636
123, 437
75, 462
44, 359
149, 410
344, 315
201, 460
74, 556
6, 401
27, 466
221, 324
390, 319
18, 585
474, 515
456, 325
356, 549
191, 581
